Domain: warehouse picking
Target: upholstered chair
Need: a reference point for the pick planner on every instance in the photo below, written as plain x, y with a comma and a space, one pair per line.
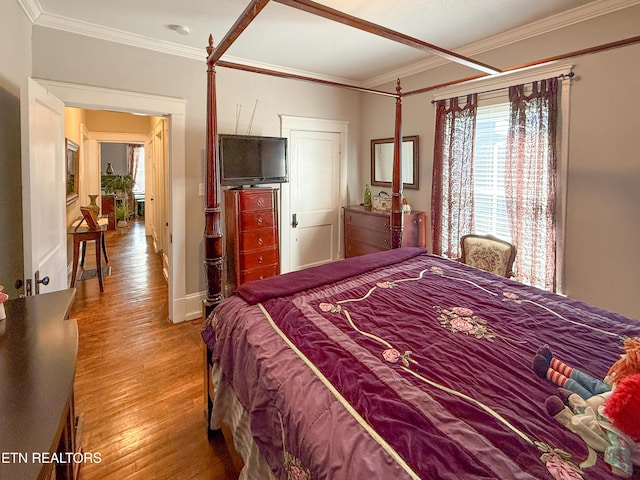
488, 253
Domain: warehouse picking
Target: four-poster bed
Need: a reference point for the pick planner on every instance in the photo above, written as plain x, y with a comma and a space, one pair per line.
213, 234
399, 364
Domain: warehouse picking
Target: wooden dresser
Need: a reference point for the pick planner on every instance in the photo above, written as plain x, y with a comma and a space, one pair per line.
38, 427
367, 230
252, 249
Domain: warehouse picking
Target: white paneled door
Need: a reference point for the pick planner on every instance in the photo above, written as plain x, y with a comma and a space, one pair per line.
43, 189
314, 198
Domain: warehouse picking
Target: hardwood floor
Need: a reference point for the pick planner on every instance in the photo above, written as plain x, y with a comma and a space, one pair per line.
139, 381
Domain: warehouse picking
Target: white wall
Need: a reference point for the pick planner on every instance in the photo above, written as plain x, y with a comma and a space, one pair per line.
55, 57
602, 262
15, 67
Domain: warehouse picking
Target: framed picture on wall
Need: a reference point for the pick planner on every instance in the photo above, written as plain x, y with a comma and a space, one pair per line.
72, 178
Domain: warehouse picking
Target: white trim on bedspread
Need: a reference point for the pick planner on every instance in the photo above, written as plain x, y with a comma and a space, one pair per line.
228, 410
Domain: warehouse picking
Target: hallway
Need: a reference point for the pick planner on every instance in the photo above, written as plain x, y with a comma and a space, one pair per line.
139, 380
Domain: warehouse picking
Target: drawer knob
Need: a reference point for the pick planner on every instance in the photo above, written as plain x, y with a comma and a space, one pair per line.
386, 242
260, 259
260, 202
260, 241
260, 221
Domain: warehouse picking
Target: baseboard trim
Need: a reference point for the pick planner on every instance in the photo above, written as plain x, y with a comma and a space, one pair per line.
189, 307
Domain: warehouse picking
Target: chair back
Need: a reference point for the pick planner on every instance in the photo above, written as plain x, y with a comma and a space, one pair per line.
488, 253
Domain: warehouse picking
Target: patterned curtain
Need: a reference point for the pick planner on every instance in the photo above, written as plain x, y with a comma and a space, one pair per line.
530, 180
132, 159
452, 187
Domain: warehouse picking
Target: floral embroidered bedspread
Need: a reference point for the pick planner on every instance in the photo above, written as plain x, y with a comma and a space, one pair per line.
407, 365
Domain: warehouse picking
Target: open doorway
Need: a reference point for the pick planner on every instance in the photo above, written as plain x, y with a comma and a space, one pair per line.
120, 157
134, 159
122, 182
181, 306
115, 150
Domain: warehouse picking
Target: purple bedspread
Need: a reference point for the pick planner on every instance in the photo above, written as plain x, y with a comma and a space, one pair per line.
429, 363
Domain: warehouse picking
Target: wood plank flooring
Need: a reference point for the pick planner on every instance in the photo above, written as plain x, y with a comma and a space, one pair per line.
139, 380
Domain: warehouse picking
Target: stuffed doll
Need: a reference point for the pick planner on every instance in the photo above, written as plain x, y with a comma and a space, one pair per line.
603, 413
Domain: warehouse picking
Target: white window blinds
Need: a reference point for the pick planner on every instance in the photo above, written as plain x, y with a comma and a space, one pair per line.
490, 212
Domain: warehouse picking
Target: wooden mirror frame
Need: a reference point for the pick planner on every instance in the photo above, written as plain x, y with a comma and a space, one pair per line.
72, 162
410, 160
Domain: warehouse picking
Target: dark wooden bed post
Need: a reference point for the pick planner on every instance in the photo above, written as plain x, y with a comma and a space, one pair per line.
213, 259
213, 237
396, 185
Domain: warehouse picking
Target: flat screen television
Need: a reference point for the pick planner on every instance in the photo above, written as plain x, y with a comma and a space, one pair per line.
252, 160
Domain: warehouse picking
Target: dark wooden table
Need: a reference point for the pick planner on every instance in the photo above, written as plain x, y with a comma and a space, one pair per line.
84, 234
38, 350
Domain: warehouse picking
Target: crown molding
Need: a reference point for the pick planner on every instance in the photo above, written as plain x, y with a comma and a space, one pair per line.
570, 17
100, 32
31, 9
594, 9
79, 27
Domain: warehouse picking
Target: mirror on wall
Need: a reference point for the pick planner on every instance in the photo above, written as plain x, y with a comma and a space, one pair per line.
382, 162
72, 162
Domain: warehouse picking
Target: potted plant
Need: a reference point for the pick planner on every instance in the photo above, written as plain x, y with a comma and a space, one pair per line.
122, 214
121, 185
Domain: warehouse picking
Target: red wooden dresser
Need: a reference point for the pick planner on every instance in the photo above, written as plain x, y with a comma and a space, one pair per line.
252, 249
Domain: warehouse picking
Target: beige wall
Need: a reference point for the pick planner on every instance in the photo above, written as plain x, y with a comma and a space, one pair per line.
172, 76
603, 199
73, 118
116, 122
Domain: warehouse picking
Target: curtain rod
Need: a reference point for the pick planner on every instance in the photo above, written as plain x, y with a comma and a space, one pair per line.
568, 75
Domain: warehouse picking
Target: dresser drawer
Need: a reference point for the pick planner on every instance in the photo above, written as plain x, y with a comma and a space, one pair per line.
380, 239
256, 219
257, 238
414, 230
376, 222
367, 230
256, 200
356, 249
252, 246
258, 273
259, 258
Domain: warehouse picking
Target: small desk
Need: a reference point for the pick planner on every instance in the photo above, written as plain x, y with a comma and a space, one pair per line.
84, 234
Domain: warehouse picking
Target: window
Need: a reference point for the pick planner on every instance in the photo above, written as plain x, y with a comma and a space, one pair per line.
139, 169
500, 168
490, 209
